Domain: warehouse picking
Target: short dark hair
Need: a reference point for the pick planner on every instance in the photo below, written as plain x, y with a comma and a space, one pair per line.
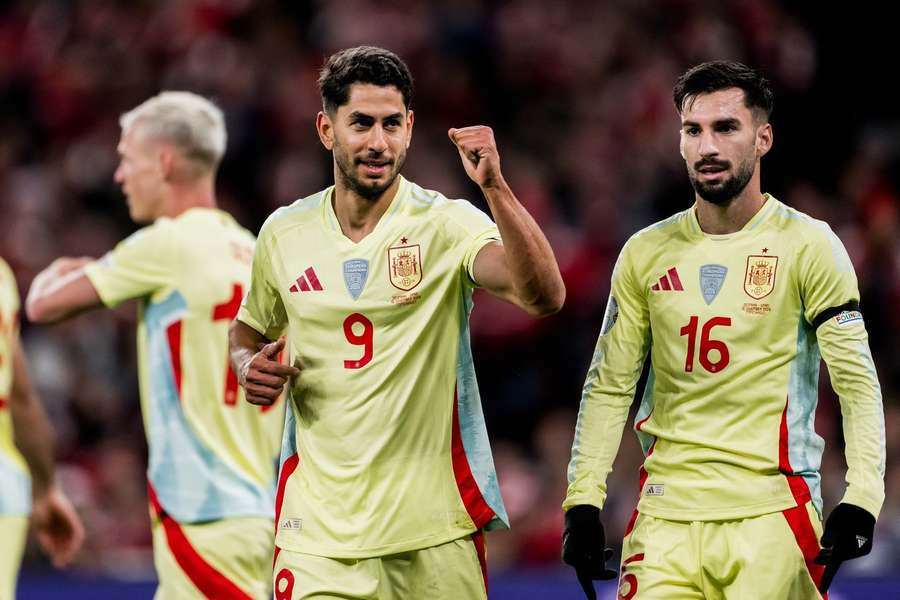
363, 64
718, 75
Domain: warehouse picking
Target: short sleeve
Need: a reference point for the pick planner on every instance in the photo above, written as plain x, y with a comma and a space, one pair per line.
828, 280
138, 266
262, 307
472, 229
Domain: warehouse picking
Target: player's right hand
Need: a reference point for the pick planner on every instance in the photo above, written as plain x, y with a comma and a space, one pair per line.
584, 547
263, 377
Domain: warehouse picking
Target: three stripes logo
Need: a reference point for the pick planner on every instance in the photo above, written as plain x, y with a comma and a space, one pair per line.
668, 282
307, 282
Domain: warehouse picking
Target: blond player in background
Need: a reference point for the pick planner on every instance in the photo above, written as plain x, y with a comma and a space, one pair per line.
26, 449
212, 456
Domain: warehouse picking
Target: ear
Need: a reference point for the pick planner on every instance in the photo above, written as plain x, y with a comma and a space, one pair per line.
325, 129
167, 159
681, 144
764, 139
410, 118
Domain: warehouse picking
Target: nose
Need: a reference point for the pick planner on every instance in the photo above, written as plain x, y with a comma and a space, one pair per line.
119, 176
377, 140
708, 146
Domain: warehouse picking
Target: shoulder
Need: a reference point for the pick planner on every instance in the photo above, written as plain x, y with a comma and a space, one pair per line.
811, 234
661, 232
295, 214
454, 213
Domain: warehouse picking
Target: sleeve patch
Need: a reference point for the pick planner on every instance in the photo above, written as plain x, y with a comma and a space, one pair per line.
612, 313
846, 317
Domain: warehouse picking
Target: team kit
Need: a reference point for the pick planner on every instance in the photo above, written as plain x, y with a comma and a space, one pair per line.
309, 398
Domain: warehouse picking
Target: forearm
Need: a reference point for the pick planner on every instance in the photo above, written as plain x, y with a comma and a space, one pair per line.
59, 291
243, 344
32, 431
534, 273
853, 377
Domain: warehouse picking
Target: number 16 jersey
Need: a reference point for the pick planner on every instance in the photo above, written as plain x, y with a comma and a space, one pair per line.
385, 447
734, 325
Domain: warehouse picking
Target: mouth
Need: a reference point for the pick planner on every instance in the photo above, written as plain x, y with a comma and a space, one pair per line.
711, 171
374, 168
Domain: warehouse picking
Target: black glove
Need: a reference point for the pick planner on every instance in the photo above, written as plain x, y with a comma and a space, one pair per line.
848, 534
584, 547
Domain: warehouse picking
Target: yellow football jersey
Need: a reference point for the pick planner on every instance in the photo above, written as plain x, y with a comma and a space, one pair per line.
385, 444
212, 455
15, 480
734, 325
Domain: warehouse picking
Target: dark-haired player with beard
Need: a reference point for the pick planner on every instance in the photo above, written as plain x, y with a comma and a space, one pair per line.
387, 480
735, 300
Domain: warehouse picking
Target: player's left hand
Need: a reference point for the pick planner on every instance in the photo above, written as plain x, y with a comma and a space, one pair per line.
848, 534
584, 547
479, 155
57, 527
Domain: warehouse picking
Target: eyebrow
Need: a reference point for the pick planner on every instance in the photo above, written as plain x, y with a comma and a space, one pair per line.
715, 123
361, 115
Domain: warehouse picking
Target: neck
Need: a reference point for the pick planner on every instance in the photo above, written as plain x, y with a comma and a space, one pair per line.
185, 196
358, 215
720, 219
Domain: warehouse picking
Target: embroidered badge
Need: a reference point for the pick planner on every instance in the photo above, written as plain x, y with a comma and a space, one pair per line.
759, 279
356, 271
711, 279
405, 266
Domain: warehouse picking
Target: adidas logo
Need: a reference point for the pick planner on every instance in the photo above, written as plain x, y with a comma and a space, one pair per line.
668, 282
861, 540
307, 282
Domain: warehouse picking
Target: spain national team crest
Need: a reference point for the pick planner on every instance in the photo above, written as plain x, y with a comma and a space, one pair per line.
405, 266
759, 280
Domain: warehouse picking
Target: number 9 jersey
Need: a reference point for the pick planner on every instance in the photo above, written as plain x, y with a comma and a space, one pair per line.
735, 326
385, 446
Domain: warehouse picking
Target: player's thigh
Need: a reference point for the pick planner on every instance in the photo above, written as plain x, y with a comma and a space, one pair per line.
197, 560
772, 556
660, 561
300, 576
13, 530
450, 571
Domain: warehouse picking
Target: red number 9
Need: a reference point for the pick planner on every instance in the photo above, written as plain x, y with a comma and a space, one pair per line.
363, 339
286, 576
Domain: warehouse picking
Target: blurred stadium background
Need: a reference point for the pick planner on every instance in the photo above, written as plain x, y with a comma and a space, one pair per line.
579, 95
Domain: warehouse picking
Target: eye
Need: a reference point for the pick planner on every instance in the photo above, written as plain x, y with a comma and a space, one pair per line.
692, 131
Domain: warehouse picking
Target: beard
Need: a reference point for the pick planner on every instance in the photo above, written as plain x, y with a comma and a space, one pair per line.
723, 192
370, 190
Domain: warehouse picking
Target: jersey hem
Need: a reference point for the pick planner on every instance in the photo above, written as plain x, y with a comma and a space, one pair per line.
374, 551
721, 514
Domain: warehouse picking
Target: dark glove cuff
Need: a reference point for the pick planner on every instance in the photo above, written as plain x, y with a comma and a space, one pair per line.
582, 516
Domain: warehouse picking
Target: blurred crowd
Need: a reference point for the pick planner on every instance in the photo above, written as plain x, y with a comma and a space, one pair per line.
579, 95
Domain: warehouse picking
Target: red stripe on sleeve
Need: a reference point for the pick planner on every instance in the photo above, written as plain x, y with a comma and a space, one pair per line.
474, 502
207, 578
173, 333
676, 281
313, 279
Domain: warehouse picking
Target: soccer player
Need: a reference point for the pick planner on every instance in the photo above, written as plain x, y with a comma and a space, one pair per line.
213, 457
26, 449
387, 480
735, 299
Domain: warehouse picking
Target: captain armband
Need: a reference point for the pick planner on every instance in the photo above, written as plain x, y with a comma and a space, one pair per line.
843, 315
